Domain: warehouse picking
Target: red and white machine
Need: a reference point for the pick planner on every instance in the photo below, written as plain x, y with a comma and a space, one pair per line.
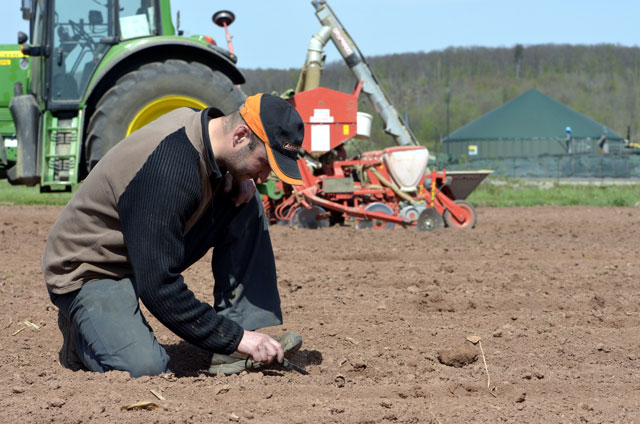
377, 189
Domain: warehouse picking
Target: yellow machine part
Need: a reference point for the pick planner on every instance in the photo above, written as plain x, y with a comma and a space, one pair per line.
158, 107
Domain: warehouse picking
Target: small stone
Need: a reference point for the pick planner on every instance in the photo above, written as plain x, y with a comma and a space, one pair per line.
497, 333
585, 407
222, 389
521, 398
17, 390
55, 403
527, 376
473, 339
386, 404
359, 366
233, 417
538, 375
340, 380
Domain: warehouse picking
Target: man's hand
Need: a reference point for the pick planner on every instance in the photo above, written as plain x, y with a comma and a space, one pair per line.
260, 347
243, 191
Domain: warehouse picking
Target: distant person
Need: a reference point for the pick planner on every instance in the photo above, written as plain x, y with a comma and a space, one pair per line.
153, 206
569, 140
602, 144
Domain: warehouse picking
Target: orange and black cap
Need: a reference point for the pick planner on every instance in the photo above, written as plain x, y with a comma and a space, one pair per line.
280, 128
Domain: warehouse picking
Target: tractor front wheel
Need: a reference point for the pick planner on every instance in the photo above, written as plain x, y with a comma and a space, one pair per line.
143, 95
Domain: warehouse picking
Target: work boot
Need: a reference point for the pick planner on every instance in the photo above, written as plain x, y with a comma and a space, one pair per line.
236, 362
68, 355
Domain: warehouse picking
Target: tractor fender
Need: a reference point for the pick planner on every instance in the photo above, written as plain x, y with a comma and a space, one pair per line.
127, 56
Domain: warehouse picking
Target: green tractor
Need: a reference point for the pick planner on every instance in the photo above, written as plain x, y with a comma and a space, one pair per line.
94, 72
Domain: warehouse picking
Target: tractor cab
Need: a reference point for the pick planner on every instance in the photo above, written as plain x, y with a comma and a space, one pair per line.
69, 40
94, 71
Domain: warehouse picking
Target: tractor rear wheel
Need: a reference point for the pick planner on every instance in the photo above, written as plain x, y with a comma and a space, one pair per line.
143, 95
468, 220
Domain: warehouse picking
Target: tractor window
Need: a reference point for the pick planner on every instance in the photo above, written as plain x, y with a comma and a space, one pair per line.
37, 38
77, 30
137, 18
38, 23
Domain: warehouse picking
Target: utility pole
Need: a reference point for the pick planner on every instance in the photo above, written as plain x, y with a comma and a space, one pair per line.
447, 99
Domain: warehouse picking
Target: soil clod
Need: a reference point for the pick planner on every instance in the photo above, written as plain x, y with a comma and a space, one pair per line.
458, 356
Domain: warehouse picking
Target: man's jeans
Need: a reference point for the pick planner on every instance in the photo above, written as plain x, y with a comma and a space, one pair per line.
110, 332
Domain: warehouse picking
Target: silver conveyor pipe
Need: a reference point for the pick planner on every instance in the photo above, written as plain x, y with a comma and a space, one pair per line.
360, 68
313, 64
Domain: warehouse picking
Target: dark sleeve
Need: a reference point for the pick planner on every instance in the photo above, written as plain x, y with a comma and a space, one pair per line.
154, 209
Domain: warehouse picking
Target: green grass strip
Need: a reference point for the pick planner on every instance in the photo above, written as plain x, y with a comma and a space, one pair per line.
22, 195
507, 193
492, 192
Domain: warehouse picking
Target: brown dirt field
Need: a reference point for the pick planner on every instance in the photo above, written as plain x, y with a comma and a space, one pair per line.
552, 291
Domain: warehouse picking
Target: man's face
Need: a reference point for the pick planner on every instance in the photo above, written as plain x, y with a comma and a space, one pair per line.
245, 163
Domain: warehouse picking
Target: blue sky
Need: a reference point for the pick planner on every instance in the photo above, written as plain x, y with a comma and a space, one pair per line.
276, 33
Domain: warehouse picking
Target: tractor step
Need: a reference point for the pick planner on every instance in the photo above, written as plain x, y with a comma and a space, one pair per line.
61, 152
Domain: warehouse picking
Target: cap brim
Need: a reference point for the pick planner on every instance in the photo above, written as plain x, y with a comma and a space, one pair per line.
285, 168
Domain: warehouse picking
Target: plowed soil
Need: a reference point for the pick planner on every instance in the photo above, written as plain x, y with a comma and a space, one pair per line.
553, 293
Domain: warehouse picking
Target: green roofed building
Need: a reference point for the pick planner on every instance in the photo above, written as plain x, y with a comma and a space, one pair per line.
531, 125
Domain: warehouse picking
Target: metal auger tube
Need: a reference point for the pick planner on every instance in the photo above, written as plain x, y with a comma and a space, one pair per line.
312, 69
358, 65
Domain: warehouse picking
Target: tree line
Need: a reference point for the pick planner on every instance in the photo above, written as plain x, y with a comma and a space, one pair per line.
599, 81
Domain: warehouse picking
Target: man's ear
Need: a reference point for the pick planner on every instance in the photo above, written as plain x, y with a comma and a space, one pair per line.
241, 134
